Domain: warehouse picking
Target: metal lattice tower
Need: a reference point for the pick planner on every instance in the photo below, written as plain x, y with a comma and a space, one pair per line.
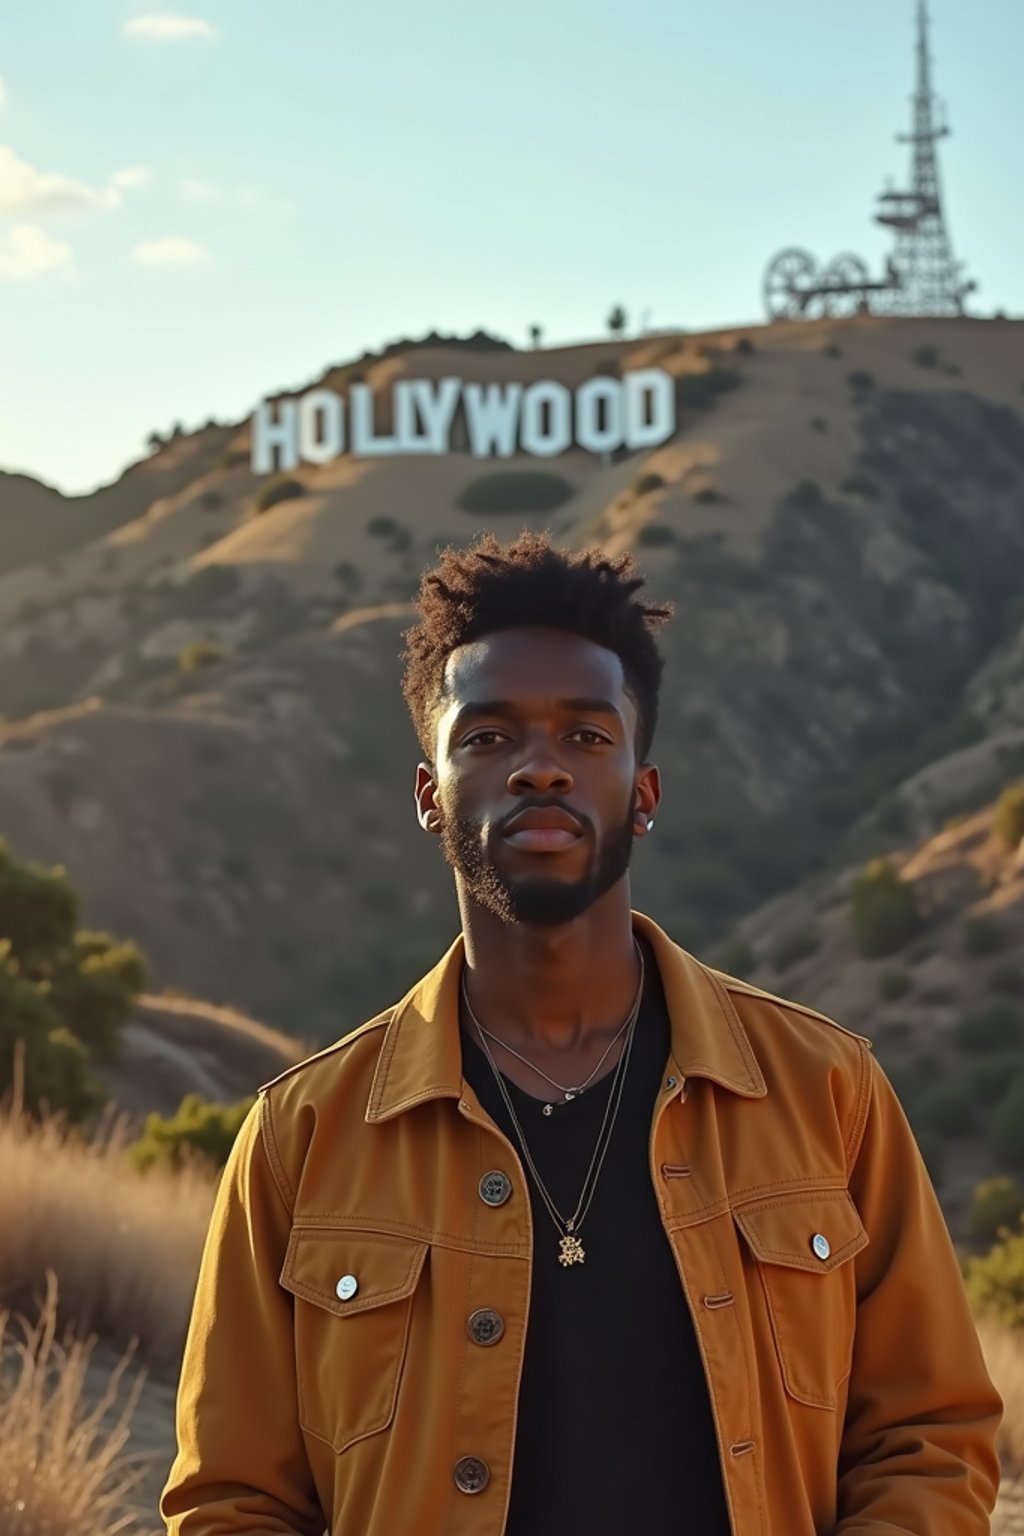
930, 281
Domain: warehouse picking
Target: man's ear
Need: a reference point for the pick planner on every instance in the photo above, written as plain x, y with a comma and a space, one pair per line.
427, 810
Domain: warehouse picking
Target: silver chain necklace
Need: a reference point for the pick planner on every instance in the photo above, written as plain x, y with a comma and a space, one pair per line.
570, 1248
574, 1092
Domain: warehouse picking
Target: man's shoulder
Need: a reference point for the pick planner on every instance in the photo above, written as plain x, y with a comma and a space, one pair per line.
756, 1003
348, 1056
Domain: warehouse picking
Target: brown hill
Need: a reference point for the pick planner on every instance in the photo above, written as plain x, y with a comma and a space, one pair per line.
840, 520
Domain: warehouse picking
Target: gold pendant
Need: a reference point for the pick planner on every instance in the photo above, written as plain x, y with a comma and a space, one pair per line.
570, 1251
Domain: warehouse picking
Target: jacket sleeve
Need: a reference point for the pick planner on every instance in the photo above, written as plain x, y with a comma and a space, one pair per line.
918, 1446
241, 1463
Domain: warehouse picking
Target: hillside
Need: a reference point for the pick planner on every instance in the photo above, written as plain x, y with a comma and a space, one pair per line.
840, 521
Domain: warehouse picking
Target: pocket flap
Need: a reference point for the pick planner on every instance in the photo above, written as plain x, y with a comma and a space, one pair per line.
789, 1232
384, 1267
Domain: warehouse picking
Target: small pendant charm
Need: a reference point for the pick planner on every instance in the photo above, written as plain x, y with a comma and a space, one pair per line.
570, 1251
570, 1093
548, 1109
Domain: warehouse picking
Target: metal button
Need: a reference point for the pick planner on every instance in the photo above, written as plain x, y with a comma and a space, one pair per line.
485, 1326
347, 1287
821, 1245
471, 1474
671, 1082
495, 1187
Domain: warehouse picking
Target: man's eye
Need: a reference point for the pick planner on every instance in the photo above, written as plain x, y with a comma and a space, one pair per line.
475, 738
602, 740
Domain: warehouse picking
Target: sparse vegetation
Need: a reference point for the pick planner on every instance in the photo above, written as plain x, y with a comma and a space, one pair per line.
997, 1204
280, 488
861, 379
700, 391
926, 357
832, 350
989, 1076
862, 485
793, 945
883, 908
650, 480
893, 985
995, 1280
945, 1109
199, 1129
745, 346
1006, 980
982, 936
210, 500
708, 495
995, 1026
1006, 1136
199, 654
517, 491
736, 957
1008, 818
807, 494
655, 535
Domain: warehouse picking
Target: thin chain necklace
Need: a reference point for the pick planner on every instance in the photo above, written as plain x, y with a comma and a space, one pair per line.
570, 1249
570, 1093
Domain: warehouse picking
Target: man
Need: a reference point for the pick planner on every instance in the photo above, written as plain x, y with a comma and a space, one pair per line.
581, 1236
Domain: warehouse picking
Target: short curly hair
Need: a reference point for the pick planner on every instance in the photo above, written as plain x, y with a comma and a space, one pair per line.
529, 581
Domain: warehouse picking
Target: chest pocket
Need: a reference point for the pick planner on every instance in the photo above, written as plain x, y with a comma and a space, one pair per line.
803, 1247
354, 1293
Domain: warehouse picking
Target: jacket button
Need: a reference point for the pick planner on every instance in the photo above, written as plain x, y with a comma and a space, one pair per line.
485, 1326
347, 1287
821, 1246
471, 1474
495, 1187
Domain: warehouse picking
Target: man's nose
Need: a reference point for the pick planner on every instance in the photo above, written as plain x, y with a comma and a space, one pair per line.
541, 771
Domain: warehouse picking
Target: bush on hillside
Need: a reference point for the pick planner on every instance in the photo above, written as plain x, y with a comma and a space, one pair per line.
650, 480
893, 985
198, 654
982, 936
995, 1205
700, 391
989, 1076
199, 1129
745, 345
1006, 1134
211, 500
883, 909
995, 1026
515, 490
926, 357
736, 957
1008, 819
861, 379
280, 488
1007, 980
945, 1109
655, 536
862, 485
995, 1280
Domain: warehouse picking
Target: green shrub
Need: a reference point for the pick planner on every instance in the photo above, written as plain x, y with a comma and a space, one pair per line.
883, 909
995, 1026
280, 488
515, 490
989, 1077
982, 936
860, 379
736, 957
709, 496
995, 1281
945, 1109
922, 950
996, 1204
211, 500
1006, 980
1008, 819
807, 494
348, 574
745, 345
655, 535
832, 350
231, 458
200, 1128
650, 480
199, 654
95, 987
893, 984
862, 485
793, 945
700, 391
926, 357
1006, 1134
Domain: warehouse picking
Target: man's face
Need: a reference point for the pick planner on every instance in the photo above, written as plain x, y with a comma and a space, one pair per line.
536, 775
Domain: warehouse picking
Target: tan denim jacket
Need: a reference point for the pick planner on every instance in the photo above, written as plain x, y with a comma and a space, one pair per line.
846, 1381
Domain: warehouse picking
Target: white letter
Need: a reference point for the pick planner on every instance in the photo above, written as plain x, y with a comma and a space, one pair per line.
492, 415
436, 404
319, 443
650, 407
409, 440
558, 434
268, 434
363, 441
589, 399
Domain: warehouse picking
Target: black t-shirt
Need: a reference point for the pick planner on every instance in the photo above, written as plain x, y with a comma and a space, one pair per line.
615, 1432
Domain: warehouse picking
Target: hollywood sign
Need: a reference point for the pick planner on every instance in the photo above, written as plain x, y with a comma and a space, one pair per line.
544, 419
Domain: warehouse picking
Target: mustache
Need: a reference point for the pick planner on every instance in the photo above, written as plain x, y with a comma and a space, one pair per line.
499, 828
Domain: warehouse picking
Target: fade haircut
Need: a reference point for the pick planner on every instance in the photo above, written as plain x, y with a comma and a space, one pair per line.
529, 582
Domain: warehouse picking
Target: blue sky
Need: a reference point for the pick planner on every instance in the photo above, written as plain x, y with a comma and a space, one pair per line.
200, 205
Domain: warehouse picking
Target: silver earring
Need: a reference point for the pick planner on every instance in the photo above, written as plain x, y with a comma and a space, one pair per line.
650, 822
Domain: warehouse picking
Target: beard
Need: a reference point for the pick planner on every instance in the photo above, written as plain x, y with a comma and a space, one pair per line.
539, 900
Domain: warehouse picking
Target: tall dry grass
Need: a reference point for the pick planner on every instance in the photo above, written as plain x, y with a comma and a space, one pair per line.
124, 1246
1004, 1356
63, 1471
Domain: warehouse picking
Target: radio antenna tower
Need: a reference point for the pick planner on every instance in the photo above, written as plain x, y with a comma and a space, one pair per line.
929, 282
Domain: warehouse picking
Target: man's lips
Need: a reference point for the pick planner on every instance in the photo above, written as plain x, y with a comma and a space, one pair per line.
543, 839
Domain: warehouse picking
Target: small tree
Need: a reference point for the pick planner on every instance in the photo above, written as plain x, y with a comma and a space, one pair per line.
1008, 820
883, 909
996, 1204
536, 332
995, 1282
199, 1129
198, 654
617, 320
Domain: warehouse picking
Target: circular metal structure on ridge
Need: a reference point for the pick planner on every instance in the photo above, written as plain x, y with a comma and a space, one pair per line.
789, 276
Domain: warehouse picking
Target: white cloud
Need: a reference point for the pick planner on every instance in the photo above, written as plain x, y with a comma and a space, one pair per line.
201, 191
172, 251
28, 251
24, 188
164, 29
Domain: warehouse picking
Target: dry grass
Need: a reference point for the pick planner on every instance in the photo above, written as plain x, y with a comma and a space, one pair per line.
1004, 1355
125, 1247
62, 1472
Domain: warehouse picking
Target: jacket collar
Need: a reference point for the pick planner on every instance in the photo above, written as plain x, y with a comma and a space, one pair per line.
421, 1055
